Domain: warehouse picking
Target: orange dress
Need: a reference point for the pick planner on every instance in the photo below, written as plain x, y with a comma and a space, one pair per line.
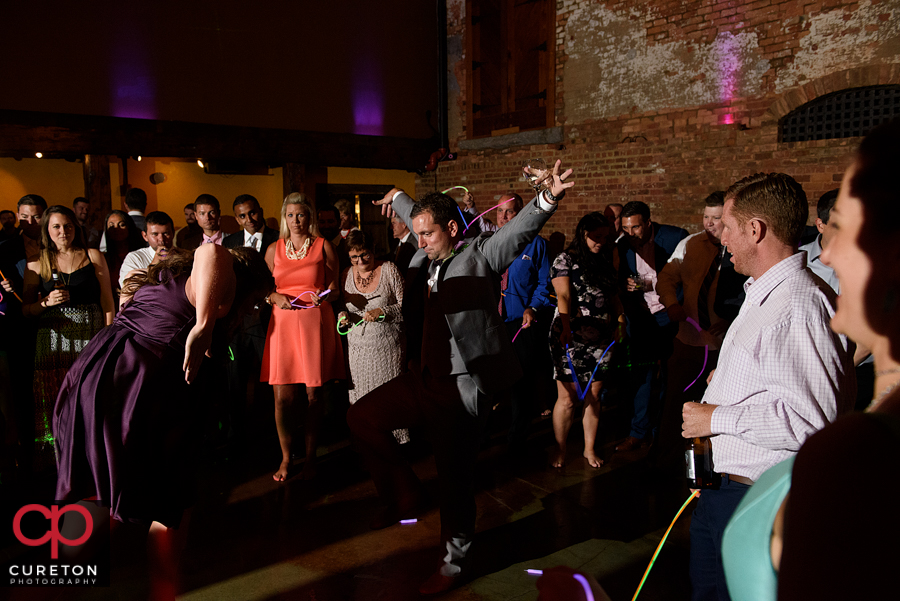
302, 345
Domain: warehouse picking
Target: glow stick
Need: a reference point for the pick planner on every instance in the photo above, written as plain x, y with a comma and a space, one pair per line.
454, 188
380, 318
691, 321
297, 299
536, 572
588, 593
2, 313
3, 277
581, 394
666, 535
482, 213
517, 334
412, 521
230, 353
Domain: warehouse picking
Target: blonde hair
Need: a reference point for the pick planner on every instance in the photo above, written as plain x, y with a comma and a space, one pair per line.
296, 198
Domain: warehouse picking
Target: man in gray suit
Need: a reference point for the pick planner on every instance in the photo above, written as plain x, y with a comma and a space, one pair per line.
460, 357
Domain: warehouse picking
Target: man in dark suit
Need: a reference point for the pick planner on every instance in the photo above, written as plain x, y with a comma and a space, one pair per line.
249, 341
253, 233
406, 246
460, 357
640, 255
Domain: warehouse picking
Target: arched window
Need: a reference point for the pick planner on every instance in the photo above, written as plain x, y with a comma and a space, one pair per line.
845, 114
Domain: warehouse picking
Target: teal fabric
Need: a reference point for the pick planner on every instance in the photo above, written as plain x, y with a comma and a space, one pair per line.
746, 543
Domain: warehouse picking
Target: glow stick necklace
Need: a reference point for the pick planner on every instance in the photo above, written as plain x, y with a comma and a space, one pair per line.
665, 536
380, 318
589, 595
461, 214
691, 321
582, 394
3, 277
297, 299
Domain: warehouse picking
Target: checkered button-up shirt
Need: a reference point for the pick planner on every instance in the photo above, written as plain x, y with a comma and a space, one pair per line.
782, 373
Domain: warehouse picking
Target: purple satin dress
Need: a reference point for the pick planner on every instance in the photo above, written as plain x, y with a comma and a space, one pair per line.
125, 421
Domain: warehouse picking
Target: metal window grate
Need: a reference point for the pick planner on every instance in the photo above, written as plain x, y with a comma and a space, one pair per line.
845, 114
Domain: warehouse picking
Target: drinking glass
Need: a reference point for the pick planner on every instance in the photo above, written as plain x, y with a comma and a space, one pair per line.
536, 173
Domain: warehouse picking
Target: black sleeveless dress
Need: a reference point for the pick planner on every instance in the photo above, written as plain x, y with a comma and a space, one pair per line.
62, 333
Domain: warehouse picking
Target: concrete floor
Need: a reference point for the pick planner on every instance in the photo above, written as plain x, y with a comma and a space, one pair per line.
252, 538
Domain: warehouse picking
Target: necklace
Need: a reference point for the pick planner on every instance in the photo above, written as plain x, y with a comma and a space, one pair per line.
877, 400
885, 372
364, 282
296, 255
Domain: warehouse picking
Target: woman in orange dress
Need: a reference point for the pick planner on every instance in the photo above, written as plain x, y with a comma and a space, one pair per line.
303, 348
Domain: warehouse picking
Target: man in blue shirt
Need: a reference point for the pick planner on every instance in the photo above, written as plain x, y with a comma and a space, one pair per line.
524, 301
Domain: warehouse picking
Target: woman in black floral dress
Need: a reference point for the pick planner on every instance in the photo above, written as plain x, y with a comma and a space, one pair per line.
584, 322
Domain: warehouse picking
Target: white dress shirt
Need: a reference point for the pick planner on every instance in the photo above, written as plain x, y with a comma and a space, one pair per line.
136, 259
253, 241
782, 373
814, 262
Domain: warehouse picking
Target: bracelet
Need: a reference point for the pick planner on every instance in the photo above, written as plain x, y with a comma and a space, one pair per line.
554, 198
268, 300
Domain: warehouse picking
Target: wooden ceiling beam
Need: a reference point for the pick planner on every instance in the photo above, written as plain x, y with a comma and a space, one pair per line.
22, 133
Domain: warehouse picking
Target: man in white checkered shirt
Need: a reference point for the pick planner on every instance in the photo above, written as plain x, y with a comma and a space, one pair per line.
782, 373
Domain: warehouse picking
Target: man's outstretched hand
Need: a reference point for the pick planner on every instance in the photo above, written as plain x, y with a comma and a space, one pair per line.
385, 203
558, 183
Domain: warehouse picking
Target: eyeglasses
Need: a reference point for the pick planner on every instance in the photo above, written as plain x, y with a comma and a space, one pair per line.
364, 257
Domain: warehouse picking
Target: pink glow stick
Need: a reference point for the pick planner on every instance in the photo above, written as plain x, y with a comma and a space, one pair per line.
691, 321
297, 299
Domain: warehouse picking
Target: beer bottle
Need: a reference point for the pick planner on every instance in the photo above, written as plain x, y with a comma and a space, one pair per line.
57, 281
698, 461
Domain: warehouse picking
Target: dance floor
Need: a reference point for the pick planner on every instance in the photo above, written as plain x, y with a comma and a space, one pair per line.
252, 538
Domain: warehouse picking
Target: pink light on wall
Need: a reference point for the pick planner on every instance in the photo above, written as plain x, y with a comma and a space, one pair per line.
132, 85
728, 119
368, 97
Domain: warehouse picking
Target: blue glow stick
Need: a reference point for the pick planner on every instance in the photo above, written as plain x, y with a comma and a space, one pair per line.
461, 214
535, 572
582, 394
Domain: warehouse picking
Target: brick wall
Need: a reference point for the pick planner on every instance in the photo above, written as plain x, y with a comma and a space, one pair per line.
669, 100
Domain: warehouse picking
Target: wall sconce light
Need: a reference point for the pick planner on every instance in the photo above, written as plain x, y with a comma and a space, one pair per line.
39, 155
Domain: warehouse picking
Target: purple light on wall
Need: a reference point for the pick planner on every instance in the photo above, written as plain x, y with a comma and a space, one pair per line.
728, 119
368, 97
132, 85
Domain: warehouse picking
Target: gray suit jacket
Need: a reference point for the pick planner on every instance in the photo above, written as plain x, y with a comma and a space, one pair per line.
469, 287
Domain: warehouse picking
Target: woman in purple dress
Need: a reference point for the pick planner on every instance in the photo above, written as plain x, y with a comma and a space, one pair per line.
125, 418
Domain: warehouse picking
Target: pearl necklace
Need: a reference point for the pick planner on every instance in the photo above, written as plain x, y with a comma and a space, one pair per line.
296, 255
